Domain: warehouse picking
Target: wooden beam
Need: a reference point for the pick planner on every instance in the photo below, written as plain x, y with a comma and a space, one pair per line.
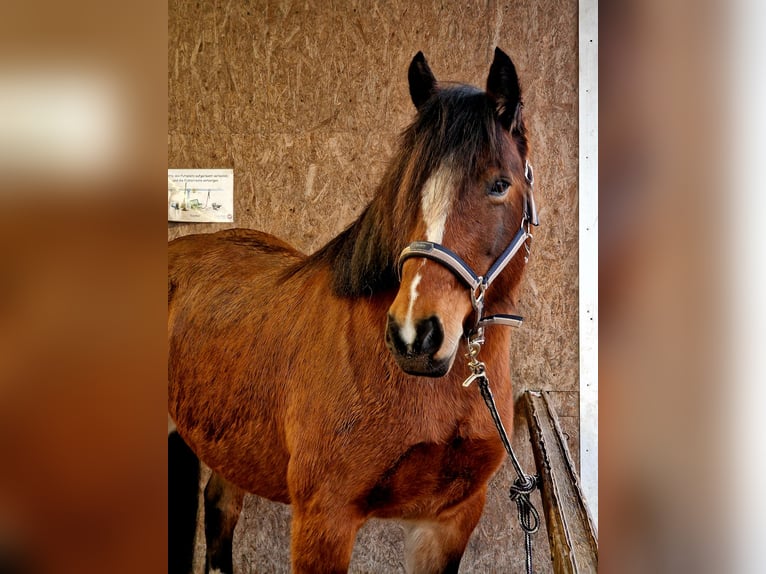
572, 536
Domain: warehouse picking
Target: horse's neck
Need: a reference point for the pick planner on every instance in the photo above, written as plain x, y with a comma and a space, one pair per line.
362, 258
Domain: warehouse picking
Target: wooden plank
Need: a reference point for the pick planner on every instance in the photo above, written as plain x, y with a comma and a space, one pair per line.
572, 536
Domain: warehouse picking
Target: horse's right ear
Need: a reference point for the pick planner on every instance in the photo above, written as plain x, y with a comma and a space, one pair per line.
503, 87
422, 80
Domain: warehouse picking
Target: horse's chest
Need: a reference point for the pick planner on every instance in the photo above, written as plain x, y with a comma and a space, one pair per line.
428, 477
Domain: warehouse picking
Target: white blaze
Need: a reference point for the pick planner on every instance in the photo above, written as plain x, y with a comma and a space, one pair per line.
407, 331
435, 203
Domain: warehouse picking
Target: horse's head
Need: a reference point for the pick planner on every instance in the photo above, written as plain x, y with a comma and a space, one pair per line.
463, 163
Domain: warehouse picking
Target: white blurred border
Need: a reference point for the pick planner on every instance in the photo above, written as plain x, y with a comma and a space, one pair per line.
746, 433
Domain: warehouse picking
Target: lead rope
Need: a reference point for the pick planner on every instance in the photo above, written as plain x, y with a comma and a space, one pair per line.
524, 485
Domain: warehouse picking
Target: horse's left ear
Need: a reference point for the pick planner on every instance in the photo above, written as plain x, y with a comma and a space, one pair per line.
422, 80
503, 88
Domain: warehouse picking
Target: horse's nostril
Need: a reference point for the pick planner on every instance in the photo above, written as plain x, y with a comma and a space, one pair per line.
430, 336
393, 336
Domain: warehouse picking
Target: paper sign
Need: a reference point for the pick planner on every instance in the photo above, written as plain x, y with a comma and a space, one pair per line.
201, 195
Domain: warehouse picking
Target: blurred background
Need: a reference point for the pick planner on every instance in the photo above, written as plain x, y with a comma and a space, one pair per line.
662, 209
83, 123
83, 154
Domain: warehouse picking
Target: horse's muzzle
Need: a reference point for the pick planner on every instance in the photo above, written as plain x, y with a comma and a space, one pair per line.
416, 346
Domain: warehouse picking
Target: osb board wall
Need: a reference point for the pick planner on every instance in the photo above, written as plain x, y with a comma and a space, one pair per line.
304, 100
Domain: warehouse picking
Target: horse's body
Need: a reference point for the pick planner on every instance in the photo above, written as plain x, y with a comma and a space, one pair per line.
287, 372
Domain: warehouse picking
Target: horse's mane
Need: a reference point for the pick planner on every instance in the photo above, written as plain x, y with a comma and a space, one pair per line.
458, 125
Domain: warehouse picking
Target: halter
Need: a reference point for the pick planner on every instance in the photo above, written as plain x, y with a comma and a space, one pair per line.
478, 284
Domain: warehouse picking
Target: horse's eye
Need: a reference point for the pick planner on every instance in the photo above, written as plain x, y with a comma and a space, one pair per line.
499, 188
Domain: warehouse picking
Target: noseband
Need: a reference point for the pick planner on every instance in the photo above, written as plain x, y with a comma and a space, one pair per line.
478, 284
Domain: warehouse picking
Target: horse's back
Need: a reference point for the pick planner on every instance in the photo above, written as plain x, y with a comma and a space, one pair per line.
231, 252
249, 238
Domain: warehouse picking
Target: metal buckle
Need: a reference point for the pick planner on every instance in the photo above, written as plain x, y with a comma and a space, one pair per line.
529, 174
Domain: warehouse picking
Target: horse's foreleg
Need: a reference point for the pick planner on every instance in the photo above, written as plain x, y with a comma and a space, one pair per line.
223, 504
436, 546
183, 495
322, 540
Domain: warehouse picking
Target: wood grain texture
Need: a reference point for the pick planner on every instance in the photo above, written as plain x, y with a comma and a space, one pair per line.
305, 100
572, 536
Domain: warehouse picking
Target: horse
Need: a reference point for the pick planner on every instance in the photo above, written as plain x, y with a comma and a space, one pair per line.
328, 381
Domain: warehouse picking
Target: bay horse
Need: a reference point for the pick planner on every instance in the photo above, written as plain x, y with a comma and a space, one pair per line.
327, 381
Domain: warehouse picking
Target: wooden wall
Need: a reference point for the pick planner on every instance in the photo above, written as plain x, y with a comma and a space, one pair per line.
304, 100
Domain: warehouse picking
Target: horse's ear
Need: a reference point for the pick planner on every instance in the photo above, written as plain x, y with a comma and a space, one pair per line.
503, 88
422, 80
